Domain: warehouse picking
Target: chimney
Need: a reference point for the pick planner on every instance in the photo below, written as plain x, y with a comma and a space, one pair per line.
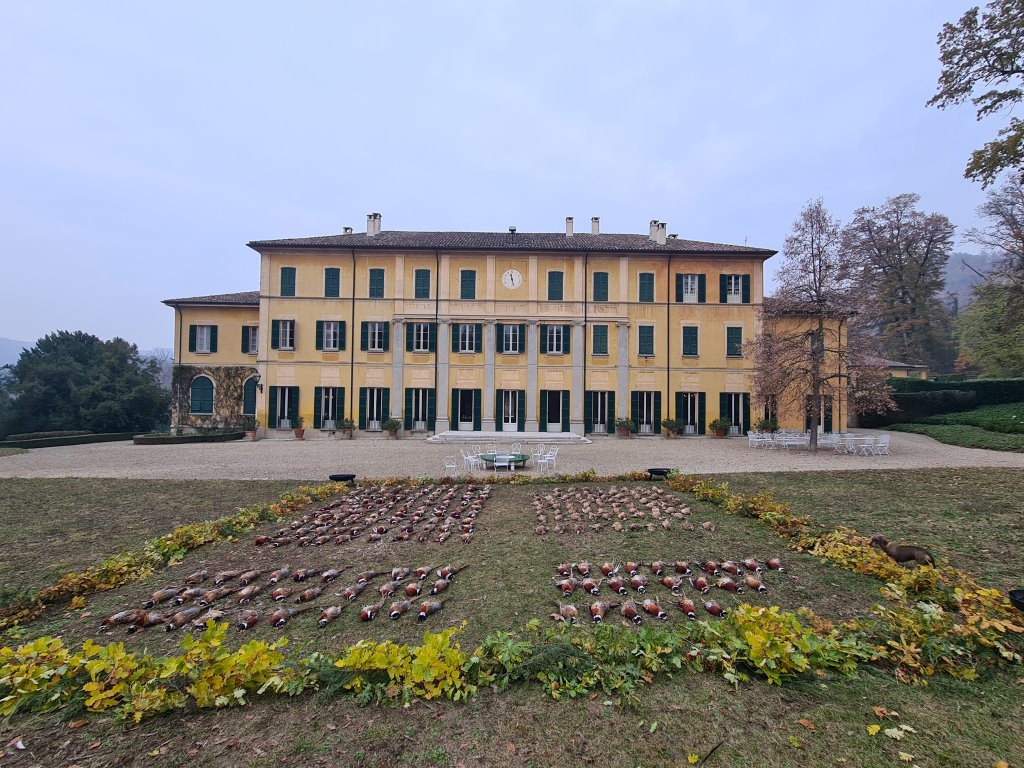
376, 223
595, 225
369, 225
653, 234
347, 230
568, 226
662, 232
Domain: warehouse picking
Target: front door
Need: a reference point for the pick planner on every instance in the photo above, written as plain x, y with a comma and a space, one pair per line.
599, 412
509, 410
374, 408
284, 408
466, 408
554, 409
645, 413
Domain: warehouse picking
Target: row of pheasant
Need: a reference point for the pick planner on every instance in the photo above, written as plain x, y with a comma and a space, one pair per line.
167, 607
398, 513
730, 576
568, 510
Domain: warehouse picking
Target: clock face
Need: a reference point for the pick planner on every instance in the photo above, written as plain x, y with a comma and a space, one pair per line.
512, 278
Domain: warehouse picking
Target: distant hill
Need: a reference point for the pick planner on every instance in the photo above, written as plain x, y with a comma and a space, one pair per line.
960, 278
10, 350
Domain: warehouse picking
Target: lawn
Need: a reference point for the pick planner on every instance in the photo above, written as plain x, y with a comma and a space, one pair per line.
509, 581
992, 427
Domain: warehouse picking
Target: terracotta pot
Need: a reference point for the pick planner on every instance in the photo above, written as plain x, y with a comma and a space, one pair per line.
250, 434
298, 432
721, 432
393, 433
623, 432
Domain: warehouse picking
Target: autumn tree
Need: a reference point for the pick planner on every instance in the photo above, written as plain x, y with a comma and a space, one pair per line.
809, 341
900, 255
74, 380
982, 59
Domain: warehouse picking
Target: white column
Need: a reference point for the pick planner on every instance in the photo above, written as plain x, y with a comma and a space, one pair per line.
487, 417
442, 395
622, 390
532, 349
397, 368
576, 395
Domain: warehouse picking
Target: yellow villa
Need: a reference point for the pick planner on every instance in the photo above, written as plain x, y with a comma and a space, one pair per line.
475, 331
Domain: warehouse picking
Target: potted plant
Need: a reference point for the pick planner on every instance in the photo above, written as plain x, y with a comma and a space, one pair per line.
249, 425
347, 427
766, 425
720, 426
300, 430
673, 427
391, 424
624, 427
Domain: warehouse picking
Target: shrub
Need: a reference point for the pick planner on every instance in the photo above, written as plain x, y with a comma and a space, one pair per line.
912, 406
165, 438
41, 435
51, 442
1007, 417
987, 391
966, 436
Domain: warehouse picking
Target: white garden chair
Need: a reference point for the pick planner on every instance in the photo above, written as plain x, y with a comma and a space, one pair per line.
503, 462
516, 448
882, 446
539, 451
471, 461
451, 469
547, 461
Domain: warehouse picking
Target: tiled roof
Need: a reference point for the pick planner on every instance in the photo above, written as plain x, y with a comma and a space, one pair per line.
505, 241
244, 298
898, 364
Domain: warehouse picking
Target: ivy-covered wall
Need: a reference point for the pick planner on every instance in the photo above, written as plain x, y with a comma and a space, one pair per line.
228, 383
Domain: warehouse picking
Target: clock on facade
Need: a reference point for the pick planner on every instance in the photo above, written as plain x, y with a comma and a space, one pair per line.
512, 278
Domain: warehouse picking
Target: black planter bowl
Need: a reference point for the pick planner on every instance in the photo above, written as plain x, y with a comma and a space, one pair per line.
658, 473
1017, 598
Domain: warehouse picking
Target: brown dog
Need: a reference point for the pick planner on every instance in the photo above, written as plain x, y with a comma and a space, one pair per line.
902, 553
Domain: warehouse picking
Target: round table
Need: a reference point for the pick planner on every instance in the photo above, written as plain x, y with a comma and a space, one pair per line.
519, 459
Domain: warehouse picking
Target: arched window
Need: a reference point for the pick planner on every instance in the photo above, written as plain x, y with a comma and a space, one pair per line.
249, 397
201, 396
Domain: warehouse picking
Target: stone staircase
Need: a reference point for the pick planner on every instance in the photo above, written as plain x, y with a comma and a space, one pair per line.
469, 438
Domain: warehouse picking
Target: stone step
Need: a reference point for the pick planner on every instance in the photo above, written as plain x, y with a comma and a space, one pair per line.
503, 438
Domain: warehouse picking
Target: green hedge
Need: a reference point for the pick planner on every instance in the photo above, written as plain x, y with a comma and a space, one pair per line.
41, 435
1008, 418
50, 442
987, 391
966, 436
913, 406
204, 437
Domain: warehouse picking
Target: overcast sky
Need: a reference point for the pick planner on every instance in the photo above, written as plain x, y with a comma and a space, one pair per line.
143, 144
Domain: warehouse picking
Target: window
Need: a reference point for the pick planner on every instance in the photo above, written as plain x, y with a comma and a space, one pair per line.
690, 289
510, 339
467, 337
555, 292
328, 404
202, 339
376, 283
600, 286
645, 281
332, 282
600, 339
554, 339
249, 397
646, 341
421, 337
467, 284
282, 334
734, 289
374, 336
201, 395
330, 335
689, 341
734, 342
422, 283
250, 339
287, 281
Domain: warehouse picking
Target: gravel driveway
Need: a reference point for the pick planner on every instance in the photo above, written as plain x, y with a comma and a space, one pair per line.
380, 457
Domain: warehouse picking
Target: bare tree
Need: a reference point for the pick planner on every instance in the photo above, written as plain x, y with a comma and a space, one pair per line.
809, 339
1003, 209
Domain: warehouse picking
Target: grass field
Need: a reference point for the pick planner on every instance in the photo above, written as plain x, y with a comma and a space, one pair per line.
5, 451
992, 427
508, 582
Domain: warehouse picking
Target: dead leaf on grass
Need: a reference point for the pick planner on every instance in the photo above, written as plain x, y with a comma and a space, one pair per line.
894, 733
906, 757
873, 729
94, 745
16, 743
511, 748
78, 723
810, 726
1001, 763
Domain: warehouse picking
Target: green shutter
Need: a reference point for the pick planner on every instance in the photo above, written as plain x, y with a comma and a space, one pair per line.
455, 337
723, 289
249, 397
543, 425
385, 404
646, 285
723, 405
521, 410
287, 281
408, 341
478, 337
689, 340
600, 339
646, 345
431, 410
191, 338
679, 405
454, 415
588, 412
408, 409
213, 338
432, 337
555, 292
566, 339
746, 411
565, 410
634, 409
387, 336
332, 282
702, 289
362, 407
679, 287
499, 338
657, 412
828, 411
745, 288
376, 283
318, 396
275, 334
245, 339
600, 286
521, 341
477, 402
467, 288
319, 334
544, 339
364, 337
611, 413
422, 283
498, 420
733, 342
272, 409
293, 406
342, 333
701, 413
